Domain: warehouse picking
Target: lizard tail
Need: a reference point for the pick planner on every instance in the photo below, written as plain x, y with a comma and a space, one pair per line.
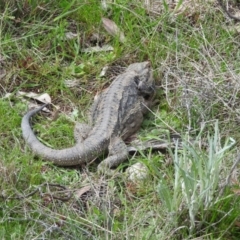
64, 157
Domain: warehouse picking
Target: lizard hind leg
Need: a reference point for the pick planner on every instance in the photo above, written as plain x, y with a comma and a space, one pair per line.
117, 154
81, 132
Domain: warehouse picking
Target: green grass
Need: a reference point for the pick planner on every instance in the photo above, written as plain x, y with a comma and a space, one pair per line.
195, 56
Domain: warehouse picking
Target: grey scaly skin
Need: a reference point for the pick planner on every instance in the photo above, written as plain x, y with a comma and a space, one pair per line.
115, 115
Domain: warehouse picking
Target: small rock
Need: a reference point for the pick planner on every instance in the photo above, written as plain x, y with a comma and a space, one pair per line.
137, 171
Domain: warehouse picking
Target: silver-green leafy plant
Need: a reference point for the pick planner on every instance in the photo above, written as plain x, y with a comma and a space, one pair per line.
196, 176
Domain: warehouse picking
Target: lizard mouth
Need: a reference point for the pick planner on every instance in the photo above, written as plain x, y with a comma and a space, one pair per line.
148, 93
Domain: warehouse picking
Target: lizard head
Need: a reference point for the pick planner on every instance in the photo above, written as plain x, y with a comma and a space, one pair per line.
143, 79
